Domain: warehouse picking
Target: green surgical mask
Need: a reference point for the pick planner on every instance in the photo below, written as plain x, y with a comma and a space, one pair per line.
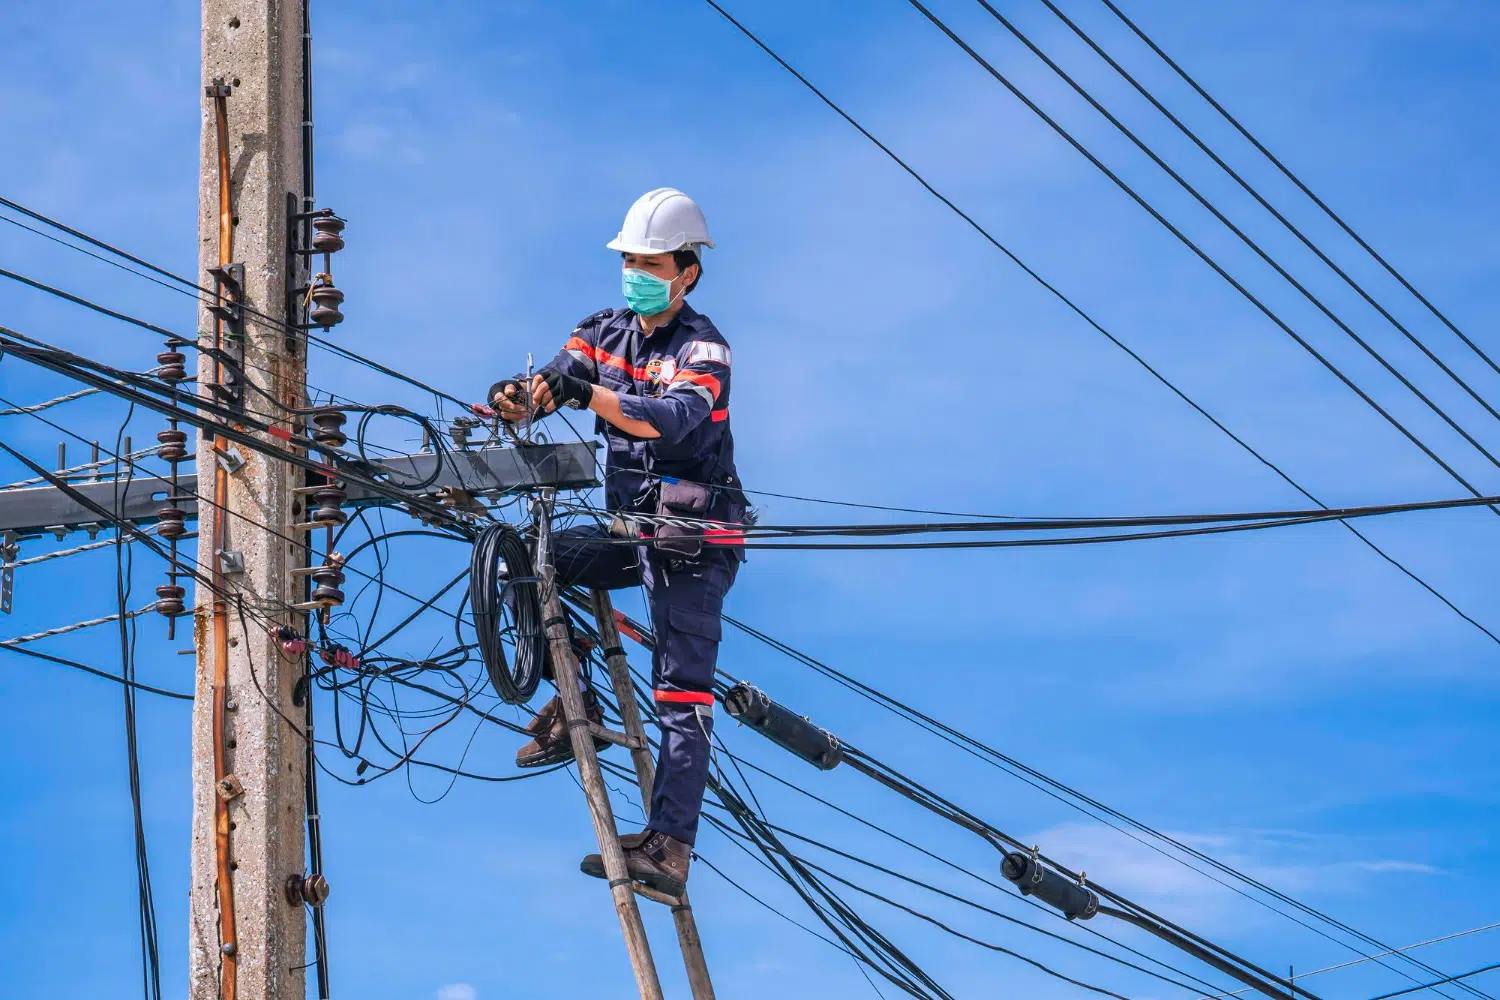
645, 293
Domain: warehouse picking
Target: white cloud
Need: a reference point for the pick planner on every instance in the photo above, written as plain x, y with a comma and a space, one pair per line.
1391, 865
1300, 864
457, 991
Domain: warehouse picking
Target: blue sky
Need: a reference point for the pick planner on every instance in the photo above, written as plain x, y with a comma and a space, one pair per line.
1284, 699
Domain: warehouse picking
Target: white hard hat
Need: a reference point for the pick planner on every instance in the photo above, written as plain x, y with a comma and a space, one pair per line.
661, 221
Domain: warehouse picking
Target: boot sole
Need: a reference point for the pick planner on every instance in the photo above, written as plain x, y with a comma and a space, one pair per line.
661, 883
556, 756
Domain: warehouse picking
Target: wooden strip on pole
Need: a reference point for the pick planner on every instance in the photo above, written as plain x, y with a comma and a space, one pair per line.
645, 776
565, 671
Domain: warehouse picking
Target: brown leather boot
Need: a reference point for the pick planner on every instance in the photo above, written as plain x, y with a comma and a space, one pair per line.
550, 743
651, 857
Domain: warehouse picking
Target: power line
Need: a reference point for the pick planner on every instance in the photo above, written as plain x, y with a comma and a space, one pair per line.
1065, 794
1450, 979
1286, 172
198, 292
1264, 203
1394, 951
1213, 264
1078, 310
1237, 231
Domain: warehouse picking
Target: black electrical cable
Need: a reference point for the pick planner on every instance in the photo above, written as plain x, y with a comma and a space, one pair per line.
1044, 542
1447, 979
1237, 231
1222, 959
1081, 313
173, 338
1212, 263
210, 296
928, 918
648, 708
1261, 200
949, 863
202, 499
150, 950
502, 583
430, 433
192, 409
74, 664
1065, 794
1297, 181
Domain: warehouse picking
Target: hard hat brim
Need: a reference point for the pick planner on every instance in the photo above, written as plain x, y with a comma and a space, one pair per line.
655, 246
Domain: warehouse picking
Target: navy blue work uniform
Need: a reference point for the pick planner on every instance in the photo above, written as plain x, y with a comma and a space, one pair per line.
677, 379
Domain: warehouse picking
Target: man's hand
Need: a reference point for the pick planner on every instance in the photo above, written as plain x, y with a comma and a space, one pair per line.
551, 389
507, 400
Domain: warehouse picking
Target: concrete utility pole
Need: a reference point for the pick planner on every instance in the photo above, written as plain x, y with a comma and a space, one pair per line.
245, 938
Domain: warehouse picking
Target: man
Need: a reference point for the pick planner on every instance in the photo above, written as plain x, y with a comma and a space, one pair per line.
656, 375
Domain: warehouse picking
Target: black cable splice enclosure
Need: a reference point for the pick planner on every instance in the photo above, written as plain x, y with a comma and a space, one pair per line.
750, 705
1053, 888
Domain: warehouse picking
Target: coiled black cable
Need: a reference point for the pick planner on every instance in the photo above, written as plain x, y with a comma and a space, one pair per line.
431, 436
502, 582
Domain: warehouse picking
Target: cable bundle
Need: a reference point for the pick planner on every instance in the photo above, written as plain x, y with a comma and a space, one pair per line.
501, 579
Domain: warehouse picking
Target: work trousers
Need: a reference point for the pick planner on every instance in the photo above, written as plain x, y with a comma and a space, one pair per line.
685, 596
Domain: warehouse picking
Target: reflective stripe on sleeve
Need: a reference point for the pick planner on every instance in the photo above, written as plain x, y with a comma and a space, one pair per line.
701, 378
701, 390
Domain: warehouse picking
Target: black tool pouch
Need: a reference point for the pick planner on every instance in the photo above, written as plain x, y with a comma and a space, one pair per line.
682, 500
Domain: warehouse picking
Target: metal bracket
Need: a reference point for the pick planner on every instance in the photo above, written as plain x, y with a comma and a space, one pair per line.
10, 547
231, 561
298, 230
229, 282
231, 460
229, 308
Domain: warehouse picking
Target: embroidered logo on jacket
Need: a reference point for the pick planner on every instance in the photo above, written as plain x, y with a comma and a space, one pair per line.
661, 370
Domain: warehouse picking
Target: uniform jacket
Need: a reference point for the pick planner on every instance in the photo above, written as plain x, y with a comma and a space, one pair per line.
678, 380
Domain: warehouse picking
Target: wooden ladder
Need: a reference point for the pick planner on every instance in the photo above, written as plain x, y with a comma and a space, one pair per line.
582, 733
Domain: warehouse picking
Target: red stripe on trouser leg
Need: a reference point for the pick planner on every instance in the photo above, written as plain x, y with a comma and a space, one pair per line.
718, 416
685, 697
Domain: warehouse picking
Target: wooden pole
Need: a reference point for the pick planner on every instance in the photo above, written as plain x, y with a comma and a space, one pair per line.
645, 775
565, 671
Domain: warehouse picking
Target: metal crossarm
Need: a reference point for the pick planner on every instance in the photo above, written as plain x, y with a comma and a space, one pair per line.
478, 472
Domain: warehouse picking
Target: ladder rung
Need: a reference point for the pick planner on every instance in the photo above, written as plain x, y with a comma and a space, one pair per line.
611, 736
655, 895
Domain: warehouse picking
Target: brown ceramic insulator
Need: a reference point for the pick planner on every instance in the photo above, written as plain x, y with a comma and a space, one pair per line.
328, 428
328, 579
171, 366
330, 501
173, 444
327, 236
171, 522
169, 598
326, 301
